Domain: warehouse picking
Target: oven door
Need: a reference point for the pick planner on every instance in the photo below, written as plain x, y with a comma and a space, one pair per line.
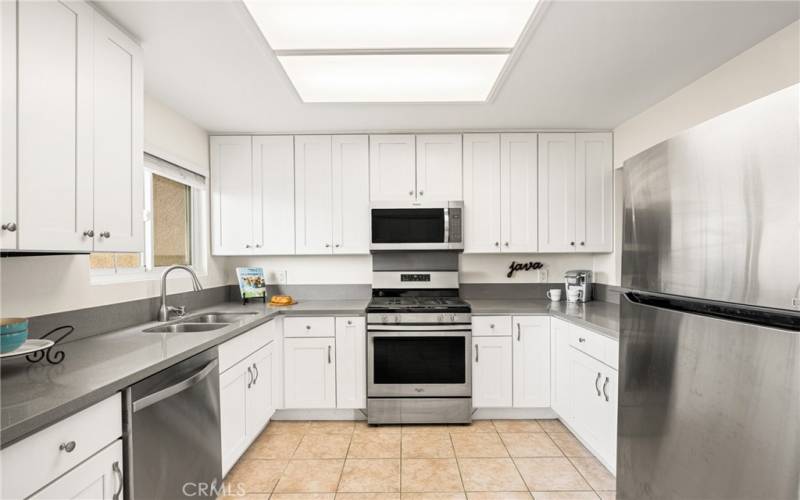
418, 226
421, 361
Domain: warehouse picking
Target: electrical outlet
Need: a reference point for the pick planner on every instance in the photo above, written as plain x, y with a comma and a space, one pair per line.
542, 275
280, 277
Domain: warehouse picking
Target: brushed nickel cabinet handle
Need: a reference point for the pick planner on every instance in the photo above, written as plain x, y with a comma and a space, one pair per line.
597, 380
604, 388
421, 193
250, 377
9, 226
117, 472
582, 243
518, 332
581, 339
89, 233
105, 234
476, 353
497, 243
255, 370
329, 354
68, 446
411, 193
572, 243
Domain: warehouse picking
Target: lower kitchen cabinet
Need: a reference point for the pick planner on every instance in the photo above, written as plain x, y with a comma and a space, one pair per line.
99, 478
246, 403
309, 372
491, 372
559, 366
351, 363
531, 348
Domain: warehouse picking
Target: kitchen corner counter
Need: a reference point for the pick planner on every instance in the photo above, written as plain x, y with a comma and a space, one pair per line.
37, 395
600, 317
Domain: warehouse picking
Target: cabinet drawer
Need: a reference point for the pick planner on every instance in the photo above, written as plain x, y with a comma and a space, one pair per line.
595, 345
36, 460
236, 349
309, 327
491, 325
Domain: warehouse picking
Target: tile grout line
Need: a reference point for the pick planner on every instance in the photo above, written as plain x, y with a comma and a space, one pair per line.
458, 464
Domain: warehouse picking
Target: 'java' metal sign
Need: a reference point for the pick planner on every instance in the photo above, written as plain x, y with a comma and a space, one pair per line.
522, 266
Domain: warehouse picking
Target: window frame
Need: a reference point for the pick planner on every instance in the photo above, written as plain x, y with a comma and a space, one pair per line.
198, 228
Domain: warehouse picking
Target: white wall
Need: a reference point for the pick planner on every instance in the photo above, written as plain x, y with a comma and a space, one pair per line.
769, 66
31, 286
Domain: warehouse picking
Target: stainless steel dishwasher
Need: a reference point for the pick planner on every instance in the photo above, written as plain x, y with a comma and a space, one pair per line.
173, 432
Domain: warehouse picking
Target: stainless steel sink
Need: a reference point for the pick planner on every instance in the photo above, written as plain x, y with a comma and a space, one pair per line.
217, 317
186, 327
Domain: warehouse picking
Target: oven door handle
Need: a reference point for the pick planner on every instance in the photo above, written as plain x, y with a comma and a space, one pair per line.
419, 328
446, 225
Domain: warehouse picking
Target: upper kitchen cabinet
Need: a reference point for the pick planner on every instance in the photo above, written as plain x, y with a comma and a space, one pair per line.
439, 167
273, 203
350, 194
575, 192
118, 128
233, 199
313, 194
392, 170
482, 204
72, 131
500, 193
332, 194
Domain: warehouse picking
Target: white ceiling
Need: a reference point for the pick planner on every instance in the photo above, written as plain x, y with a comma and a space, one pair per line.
587, 65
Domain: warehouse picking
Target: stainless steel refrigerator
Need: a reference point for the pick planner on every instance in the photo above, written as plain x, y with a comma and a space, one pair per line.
709, 394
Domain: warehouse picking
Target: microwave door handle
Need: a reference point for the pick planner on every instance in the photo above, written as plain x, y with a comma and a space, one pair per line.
446, 225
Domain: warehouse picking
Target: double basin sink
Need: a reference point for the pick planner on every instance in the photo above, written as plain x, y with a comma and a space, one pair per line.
201, 322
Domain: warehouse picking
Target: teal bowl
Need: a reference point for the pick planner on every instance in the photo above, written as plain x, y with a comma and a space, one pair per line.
13, 325
11, 341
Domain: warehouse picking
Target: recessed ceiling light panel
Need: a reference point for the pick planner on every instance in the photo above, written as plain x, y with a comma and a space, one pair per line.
394, 78
390, 24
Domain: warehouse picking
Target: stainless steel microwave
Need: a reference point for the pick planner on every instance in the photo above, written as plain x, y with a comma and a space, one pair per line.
417, 225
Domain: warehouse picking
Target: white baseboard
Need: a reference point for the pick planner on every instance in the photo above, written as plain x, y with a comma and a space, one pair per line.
513, 413
478, 414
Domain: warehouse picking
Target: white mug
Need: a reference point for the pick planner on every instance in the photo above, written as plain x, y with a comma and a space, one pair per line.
574, 295
554, 294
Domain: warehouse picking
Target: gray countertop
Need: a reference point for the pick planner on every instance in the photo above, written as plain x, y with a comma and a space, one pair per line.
37, 395
601, 317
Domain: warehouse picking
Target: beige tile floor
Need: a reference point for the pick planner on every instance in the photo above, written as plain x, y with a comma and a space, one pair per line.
487, 460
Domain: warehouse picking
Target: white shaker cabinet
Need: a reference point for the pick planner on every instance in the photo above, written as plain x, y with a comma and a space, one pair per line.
575, 192
351, 363
439, 167
531, 348
595, 192
559, 367
309, 372
8, 125
118, 143
273, 205
313, 194
54, 126
392, 167
232, 196
482, 201
351, 217
98, 478
519, 192
491, 372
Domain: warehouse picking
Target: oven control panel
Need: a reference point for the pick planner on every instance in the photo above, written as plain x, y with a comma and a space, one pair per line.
419, 319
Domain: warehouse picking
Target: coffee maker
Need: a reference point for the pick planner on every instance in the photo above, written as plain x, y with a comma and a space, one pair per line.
578, 280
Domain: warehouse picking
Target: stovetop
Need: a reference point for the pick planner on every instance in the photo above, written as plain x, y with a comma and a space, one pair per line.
417, 304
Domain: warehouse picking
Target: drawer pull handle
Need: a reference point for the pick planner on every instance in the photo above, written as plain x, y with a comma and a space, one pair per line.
68, 446
476, 353
329, 354
519, 333
491, 325
255, 370
581, 339
349, 322
604, 388
308, 327
117, 472
249, 377
597, 381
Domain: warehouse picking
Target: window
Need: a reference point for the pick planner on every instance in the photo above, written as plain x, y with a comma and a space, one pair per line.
174, 211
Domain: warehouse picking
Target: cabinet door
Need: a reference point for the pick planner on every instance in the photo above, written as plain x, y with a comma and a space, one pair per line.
54, 125
98, 478
260, 401
309, 373
531, 361
594, 177
313, 194
351, 363
586, 380
482, 193
491, 372
392, 171
559, 368
273, 182
518, 192
8, 125
234, 385
351, 194
608, 425
556, 192
232, 195
118, 150
439, 167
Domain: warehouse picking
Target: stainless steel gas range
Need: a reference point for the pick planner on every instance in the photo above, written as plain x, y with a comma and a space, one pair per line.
418, 349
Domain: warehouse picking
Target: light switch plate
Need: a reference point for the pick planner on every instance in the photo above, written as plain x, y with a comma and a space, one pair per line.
542, 275
280, 277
